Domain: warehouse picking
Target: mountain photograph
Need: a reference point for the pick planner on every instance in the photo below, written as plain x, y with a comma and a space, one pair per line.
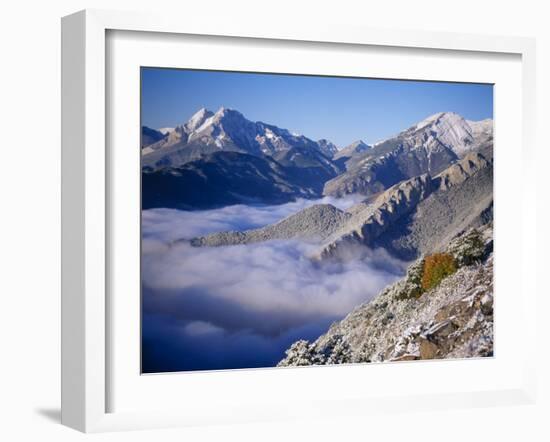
293, 220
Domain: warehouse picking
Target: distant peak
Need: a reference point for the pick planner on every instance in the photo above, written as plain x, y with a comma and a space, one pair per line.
449, 117
359, 146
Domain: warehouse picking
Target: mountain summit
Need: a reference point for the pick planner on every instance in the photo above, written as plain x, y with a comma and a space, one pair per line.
352, 150
229, 130
449, 129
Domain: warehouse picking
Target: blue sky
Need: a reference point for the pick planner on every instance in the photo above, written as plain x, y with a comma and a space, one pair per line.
340, 109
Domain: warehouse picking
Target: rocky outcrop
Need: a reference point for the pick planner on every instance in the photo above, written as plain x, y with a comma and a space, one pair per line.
451, 320
327, 147
462, 170
313, 223
462, 199
367, 224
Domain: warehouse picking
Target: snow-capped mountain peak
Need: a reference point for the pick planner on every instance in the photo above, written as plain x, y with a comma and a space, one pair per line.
228, 129
165, 130
448, 129
198, 119
429, 120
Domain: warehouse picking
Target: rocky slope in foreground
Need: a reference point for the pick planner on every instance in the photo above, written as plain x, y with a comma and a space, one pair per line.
452, 320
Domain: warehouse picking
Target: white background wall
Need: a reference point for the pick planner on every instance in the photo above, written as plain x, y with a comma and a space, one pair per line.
30, 221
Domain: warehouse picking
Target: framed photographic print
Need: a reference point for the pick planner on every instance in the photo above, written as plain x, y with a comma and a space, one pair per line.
252, 213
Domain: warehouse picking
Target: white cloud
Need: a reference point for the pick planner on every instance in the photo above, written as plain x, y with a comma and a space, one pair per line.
170, 224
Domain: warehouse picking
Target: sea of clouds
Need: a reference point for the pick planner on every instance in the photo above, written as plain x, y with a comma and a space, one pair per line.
241, 306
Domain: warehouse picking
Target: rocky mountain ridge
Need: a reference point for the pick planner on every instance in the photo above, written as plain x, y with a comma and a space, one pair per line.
224, 178
226, 130
313, 223
303, 167
427, 147
372, 220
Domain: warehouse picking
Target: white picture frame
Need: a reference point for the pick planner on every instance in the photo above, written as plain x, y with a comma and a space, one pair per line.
86, 212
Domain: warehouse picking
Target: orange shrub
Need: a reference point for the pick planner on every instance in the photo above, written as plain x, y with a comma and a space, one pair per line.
436, 268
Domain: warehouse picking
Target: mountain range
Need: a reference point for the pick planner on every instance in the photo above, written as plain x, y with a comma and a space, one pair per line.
268, 164
427, 147
414, 217
447, 213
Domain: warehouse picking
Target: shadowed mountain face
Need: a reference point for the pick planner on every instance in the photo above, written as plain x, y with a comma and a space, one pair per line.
220, 179
451, 320
150, 136
328, 148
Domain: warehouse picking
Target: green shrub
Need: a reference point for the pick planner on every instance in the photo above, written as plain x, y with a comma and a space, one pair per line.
468, 248
436, 268
412, 286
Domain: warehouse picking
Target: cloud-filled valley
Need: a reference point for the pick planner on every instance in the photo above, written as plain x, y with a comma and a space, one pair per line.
242, 305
